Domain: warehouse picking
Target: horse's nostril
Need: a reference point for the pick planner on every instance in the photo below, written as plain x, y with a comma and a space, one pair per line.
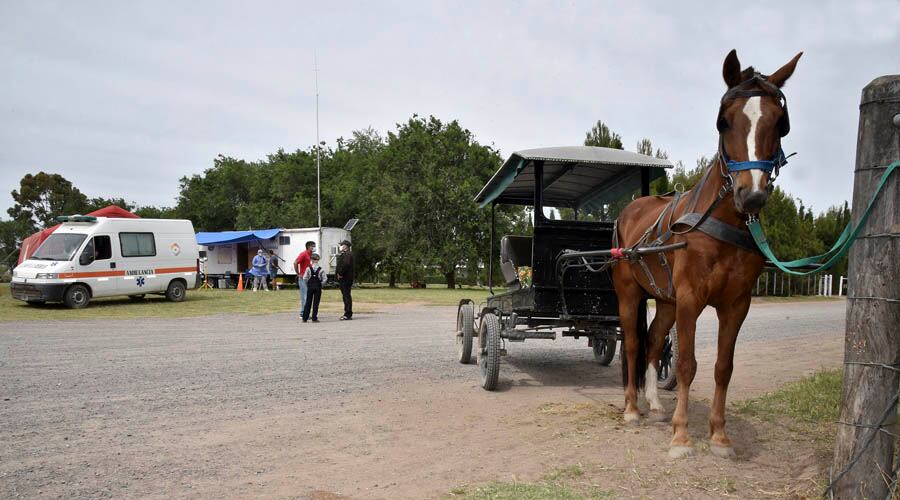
753, 202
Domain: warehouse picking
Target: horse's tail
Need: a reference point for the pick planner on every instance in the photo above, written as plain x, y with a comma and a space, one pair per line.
643, 345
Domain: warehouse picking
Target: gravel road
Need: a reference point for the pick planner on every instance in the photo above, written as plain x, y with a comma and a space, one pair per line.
91, 408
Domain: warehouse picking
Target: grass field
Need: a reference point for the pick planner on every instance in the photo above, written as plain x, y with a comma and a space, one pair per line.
811, 405
207, 302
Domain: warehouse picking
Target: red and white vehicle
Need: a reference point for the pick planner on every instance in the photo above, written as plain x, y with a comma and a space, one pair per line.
88, 257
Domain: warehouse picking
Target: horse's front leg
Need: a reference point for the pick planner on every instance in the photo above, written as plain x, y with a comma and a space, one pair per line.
730, 320
688, 307
629, 296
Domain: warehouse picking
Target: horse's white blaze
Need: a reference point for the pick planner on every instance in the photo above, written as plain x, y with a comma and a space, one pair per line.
650, 389
753, 111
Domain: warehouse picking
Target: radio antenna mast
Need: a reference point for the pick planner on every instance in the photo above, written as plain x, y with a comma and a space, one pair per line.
318, 189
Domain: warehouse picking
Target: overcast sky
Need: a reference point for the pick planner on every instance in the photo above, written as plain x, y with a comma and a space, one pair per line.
124, 98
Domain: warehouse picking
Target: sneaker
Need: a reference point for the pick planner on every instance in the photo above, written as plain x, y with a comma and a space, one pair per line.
315, 321
344, 318
304, 321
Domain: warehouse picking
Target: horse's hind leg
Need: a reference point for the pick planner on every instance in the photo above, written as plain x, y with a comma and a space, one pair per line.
662, 323
730, 321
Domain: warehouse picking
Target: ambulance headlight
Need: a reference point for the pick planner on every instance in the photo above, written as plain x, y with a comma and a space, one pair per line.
47, 276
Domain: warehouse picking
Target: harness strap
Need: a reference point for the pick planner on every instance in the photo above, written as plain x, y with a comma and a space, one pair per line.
719, 230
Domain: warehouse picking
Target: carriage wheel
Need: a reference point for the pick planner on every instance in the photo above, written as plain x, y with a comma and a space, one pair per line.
489, 351
604, 350
665, 377
465, 327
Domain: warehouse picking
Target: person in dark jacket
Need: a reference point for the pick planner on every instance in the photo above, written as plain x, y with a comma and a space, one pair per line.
344, 272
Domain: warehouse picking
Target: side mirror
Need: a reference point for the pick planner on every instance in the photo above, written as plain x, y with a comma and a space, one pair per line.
85, 259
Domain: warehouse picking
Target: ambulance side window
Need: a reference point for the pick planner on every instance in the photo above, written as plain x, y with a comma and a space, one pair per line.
137, 244
102, 247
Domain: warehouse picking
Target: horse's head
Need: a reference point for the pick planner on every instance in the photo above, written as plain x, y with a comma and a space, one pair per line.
753, 118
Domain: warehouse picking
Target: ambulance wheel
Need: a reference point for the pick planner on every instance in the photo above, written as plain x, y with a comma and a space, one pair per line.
77, 296
175, 292
139, 296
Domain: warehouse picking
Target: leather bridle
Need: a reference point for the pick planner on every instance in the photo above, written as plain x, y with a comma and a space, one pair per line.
773, 166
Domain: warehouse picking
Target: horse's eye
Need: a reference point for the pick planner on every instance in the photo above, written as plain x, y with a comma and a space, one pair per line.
722, 124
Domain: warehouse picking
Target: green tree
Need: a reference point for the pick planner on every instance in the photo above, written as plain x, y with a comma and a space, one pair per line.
42, 197
661, 185
98, 203
600, 135
151, 212
11, 234
790, 236
214, 199
428, 175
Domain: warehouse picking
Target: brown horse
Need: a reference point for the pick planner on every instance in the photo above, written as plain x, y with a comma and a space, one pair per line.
717, 267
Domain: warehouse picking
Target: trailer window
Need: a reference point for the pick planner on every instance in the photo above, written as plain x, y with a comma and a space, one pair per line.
137, 244
284, 240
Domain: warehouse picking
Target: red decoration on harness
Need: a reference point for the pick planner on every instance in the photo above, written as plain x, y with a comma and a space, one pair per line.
616, 253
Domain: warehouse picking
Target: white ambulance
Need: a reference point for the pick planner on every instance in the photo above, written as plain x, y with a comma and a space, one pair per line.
88, 257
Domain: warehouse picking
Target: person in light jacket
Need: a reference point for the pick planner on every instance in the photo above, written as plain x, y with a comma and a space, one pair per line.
259, 270
314, 277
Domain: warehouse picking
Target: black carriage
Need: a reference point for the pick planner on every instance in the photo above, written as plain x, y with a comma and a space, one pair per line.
569, 293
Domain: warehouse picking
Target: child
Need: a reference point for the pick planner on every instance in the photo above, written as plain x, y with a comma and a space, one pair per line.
314, 278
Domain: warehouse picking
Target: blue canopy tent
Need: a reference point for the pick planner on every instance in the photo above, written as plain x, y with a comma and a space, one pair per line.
230, 237
240, 239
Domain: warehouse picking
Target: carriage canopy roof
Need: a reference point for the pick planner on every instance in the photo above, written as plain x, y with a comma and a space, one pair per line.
574, 176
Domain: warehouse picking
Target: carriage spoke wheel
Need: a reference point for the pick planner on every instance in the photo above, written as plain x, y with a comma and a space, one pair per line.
465, 328
489, 351
604, 350
665, 377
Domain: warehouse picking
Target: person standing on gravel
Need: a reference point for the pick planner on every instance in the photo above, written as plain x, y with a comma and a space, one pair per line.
314, 276
301, 263
344, 271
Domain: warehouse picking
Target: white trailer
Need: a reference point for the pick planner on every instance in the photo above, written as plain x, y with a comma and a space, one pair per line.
231, 252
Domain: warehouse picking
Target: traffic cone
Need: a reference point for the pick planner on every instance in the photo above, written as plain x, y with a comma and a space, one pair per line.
240, 287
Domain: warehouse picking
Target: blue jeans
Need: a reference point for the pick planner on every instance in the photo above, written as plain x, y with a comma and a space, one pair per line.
302, 285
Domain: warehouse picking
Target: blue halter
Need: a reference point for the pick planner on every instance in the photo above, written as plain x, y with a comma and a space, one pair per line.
778, 161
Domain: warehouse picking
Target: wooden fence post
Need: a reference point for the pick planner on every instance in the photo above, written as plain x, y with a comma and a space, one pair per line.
873, 304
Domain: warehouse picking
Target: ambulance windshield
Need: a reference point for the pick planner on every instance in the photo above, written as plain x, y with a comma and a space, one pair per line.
59, 247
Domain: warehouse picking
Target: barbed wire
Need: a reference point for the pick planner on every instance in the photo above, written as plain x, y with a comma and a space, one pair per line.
875, 430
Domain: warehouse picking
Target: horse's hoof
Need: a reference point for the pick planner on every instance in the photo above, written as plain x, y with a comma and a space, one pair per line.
721, 451
680, 451
657, 416
633, 418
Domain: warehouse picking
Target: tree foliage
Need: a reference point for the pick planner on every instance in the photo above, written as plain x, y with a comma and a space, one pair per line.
42, 197
600, 135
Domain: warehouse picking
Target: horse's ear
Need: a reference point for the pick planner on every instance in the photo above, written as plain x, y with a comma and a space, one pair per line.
731, 69
779, 77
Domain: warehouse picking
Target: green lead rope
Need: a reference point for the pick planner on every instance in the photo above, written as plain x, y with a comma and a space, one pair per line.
838, 250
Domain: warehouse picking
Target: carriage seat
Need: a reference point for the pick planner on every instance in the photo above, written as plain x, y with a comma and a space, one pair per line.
515, 251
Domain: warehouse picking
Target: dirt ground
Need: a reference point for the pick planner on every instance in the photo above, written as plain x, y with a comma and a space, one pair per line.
374, 408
